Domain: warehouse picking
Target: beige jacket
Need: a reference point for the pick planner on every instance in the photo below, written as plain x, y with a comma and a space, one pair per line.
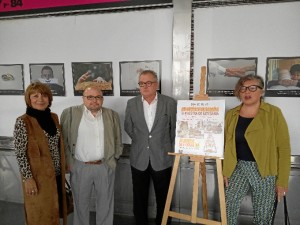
70, 120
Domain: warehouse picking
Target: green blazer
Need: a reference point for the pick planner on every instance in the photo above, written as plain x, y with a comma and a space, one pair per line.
268, 138
70, 120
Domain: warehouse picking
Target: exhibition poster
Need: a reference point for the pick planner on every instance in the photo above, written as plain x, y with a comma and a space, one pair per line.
200, 127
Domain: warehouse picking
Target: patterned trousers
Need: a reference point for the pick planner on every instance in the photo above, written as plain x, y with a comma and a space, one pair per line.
246, 176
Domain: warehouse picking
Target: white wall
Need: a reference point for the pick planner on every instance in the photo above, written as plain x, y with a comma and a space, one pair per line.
115, 37
260, 31
269, 30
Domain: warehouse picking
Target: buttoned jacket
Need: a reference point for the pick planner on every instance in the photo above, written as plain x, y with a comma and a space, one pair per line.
151, 146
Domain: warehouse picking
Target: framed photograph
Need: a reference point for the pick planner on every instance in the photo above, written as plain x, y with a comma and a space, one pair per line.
129, 75
51, 74
99, 73
223, 73
283, 77
12, 79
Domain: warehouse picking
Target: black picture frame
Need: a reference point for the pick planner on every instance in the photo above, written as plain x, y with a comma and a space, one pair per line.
56, 82
100, 72
223, 74
281, 77
129, 75
12, 79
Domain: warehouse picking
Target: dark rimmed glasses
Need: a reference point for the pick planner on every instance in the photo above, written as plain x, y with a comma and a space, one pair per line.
92, 98
251, 88
146, 84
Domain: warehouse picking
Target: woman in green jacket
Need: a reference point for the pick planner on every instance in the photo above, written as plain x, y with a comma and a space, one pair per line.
257, 152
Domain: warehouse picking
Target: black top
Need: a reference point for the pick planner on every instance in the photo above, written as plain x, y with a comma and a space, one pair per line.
243, 151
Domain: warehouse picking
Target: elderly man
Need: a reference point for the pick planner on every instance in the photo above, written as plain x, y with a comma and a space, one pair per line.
150, 122
92, 139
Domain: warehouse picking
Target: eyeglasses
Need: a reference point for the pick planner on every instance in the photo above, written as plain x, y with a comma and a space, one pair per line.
296, 74
90, 97
251, 88
147, 84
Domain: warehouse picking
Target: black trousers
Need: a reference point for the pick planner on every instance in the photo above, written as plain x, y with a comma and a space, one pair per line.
141, 184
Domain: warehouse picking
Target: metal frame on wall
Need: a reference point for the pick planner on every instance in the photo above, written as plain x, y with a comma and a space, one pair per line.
220, 3
52, 74
98, 73
11, 79
282, 77
129, 75
223, 73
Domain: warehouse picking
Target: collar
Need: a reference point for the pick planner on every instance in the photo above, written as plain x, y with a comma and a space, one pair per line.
99, 113
155, 99
263, 106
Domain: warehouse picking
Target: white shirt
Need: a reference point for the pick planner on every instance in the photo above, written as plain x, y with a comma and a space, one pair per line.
149, 111
90, 141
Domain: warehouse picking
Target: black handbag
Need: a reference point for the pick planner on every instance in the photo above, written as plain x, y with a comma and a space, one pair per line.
286, 214
69, 198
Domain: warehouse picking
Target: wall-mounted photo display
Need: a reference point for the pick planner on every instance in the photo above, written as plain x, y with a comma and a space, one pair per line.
12, 79
129, 75
51, 74
223, 73
97, 73
283, 77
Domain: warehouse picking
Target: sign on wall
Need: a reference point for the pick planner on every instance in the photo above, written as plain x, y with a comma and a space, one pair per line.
200, 127
21, 8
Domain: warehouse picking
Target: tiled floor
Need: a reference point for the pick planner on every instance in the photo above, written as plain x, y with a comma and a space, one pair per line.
13, 214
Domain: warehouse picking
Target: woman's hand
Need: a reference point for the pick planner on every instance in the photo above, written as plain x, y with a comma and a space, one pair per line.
225, 181
68, 168
30, 187
280, 191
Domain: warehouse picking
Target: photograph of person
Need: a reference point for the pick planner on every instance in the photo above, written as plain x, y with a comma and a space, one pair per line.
96, 73
283, 77
50, 74
129, 75
222, 74
12, 79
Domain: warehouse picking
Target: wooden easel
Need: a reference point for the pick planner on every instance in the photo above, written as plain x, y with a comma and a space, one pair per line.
199, 162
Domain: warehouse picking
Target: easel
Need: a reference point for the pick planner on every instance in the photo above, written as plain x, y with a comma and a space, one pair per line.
199, 162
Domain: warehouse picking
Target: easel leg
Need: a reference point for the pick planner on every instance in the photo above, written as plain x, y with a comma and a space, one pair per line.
204, 190
171, 190
221, 192
195, 192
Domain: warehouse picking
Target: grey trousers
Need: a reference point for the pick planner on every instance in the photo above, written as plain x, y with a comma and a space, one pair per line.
85, 178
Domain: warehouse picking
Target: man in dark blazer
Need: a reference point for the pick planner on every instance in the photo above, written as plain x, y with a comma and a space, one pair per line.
150, 121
